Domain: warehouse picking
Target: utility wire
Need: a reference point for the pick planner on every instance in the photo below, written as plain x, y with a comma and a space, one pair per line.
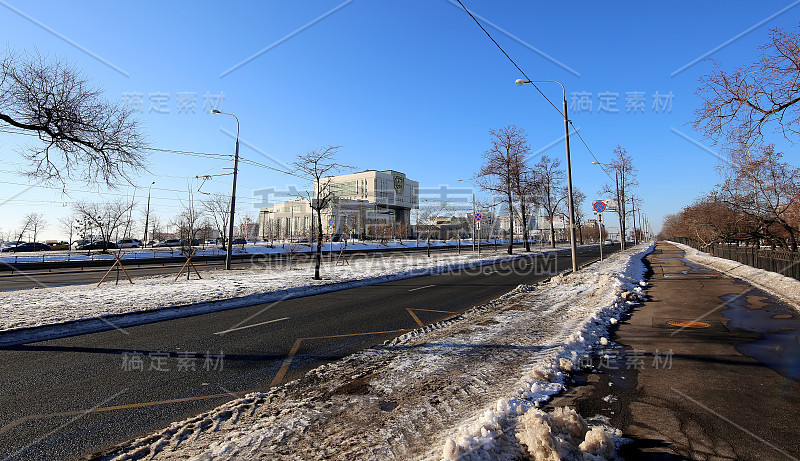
509, 57
534, 85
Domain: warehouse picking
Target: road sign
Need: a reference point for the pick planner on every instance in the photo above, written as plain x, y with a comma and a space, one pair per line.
599, 206
478, 217
477, 225
331, 222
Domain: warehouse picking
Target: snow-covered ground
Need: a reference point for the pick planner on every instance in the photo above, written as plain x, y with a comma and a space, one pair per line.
250, 249
774, 283
468, 389
162, 297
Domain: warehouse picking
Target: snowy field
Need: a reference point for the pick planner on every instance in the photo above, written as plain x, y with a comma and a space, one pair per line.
465, 389
783, 287
161, 297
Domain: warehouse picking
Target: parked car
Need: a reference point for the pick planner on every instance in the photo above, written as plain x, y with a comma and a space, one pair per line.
239, 241
129, 243
28, 246
168, 243
98, 245
56, 245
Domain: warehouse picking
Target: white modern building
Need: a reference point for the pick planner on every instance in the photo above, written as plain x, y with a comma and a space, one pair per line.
369, 203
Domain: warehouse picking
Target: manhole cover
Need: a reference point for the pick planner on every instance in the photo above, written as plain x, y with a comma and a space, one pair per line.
688, 324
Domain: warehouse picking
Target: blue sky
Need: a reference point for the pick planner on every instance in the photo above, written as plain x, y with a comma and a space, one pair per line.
412, 86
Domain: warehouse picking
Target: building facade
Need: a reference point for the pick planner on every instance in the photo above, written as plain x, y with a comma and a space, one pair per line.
368, 203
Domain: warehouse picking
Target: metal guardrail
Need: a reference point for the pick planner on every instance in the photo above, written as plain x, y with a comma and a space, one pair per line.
784, 262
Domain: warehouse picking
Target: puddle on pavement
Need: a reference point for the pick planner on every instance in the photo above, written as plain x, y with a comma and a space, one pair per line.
779, 325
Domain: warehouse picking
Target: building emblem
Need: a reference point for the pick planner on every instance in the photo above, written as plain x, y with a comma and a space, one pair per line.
399, 183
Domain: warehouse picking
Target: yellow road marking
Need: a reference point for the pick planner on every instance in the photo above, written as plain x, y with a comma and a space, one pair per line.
414, 316
293, 351
431, 310
288, 361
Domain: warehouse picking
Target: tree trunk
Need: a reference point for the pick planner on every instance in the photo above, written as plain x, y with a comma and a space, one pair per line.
510, 224
552, 233
318, 253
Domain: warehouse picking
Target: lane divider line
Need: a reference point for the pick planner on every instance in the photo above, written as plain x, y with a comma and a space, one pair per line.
250, 326
420, 288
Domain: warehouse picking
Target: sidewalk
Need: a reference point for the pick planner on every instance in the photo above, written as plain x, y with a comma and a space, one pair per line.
726, 390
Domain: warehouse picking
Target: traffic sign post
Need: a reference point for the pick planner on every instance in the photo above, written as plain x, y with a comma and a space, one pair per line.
600, 230
478, 228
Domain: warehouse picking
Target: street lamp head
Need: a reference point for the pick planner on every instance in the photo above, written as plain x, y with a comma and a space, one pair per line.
215, 111
596, 163
521, 81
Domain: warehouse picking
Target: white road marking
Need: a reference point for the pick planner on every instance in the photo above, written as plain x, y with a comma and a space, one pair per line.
250, 326
420, 288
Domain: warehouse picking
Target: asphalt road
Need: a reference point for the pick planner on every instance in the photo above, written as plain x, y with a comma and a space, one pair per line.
66, 398
40, 278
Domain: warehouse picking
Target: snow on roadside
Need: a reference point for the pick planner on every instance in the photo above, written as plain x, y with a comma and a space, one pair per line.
779, 285
23, 309
465, 389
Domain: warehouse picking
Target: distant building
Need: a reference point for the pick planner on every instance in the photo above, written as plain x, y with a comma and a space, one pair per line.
368, 203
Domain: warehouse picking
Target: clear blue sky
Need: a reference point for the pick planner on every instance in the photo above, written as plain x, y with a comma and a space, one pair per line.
412, 86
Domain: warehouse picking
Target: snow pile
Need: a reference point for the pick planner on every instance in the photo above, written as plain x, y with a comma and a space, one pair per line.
468, 388
564, 435
774, 283
610, 294
217, 290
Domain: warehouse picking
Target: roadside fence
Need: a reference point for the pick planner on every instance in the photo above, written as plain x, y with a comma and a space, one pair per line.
784, 262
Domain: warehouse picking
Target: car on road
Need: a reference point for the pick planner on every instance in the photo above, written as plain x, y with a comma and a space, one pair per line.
57, 245
129, 243
98, 245
239, 241
168, 243
28, 246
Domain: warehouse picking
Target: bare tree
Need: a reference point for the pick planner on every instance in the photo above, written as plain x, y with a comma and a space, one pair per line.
738, 105
26, 225
526, 188
107, 217
502, 165
317, 165
82, 135
624, 180
552, 193
759, 184
36, 223
578, 198
68, 224
217, 208
188, 220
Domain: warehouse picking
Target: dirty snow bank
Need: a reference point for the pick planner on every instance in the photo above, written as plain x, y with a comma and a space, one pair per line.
463, 389
774, 283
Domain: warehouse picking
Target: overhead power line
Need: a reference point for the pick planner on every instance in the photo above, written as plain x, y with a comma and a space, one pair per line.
532, 83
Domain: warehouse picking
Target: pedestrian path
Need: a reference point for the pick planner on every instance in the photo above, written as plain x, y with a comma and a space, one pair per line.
708, 370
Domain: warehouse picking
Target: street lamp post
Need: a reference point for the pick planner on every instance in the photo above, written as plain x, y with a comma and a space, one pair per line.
573, 249
233, 192
147, 215
473, 211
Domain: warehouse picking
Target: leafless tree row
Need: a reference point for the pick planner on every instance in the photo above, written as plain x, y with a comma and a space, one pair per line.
757, 198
